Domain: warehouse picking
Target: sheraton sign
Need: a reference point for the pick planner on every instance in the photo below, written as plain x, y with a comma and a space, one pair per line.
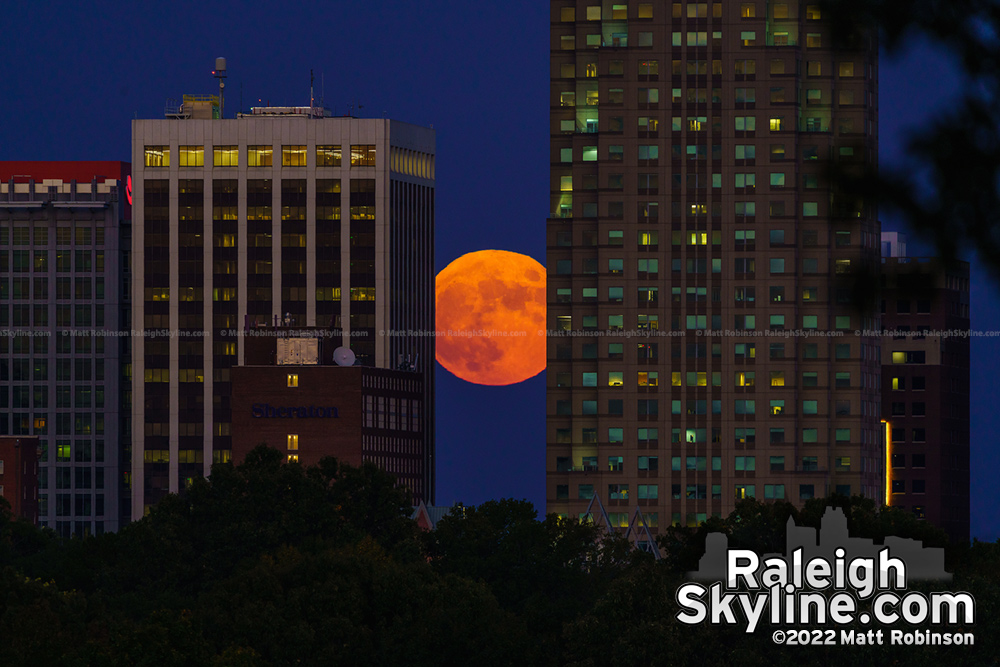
267, 411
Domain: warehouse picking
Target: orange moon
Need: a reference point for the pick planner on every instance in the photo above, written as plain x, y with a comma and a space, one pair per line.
491, 317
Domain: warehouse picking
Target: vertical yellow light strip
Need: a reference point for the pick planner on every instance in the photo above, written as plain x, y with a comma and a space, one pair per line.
888, 462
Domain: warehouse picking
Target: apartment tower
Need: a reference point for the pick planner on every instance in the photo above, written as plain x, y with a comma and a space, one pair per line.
281, 217
708, 287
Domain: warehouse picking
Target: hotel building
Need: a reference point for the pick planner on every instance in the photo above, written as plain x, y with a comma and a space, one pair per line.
292, 394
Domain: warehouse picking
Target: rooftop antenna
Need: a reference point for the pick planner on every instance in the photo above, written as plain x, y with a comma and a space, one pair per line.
220, 74
312, 98
344, 356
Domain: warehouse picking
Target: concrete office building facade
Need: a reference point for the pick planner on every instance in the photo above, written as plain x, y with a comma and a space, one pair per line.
284, 216
705, 283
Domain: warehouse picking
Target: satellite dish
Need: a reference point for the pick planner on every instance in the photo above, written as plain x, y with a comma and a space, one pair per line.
343, 356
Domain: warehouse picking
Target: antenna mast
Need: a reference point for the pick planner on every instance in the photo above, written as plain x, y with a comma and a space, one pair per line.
220, 74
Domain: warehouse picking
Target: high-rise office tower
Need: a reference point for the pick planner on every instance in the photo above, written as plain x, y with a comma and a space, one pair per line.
705, 279
925, 381
283, 216
64, 243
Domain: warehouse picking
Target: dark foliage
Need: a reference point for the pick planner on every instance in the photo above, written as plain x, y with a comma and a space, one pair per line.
948, 190
267, 563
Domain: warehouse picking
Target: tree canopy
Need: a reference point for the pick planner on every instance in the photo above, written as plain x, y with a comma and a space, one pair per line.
270, 563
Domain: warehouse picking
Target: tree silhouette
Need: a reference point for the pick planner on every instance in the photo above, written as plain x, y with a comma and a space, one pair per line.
948, 189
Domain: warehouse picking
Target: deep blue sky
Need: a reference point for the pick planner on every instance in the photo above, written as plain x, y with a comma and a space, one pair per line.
76, 73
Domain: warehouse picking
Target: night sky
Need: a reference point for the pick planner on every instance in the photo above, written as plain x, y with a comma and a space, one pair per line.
76, 73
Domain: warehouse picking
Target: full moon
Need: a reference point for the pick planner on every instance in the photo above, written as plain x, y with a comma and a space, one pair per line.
491, 317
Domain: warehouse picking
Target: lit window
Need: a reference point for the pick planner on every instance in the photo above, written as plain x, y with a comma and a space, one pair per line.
226, 156
259, 156
293, 458
192, 156
748, 37
814, 40
293, 156
293, 380
363, 155
157, 156
327, 156
748, 10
